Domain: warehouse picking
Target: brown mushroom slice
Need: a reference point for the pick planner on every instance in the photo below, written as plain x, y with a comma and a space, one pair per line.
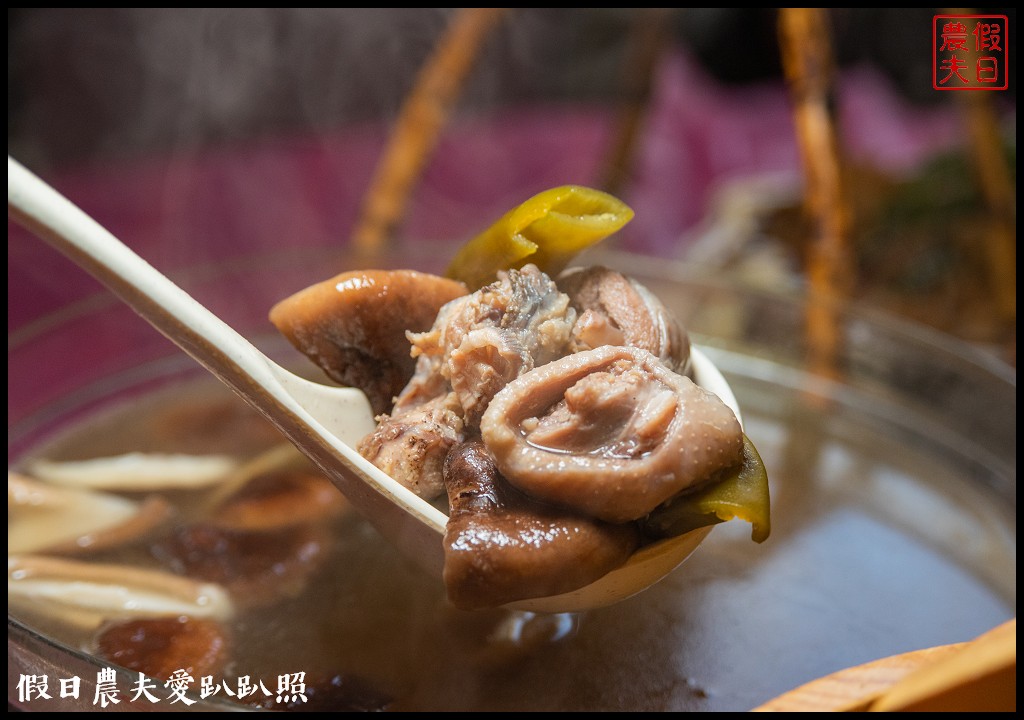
136, 471
86, 594
277, 489
353, 326
609, 432
43, 518
617, 310
501, 546
280, 499
158, 647
256, 568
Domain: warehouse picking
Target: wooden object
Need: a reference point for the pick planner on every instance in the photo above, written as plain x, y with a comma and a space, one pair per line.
980, 675
420, 122
807, 61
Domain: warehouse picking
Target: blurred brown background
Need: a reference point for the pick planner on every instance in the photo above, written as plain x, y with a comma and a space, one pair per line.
88, 87
87, 82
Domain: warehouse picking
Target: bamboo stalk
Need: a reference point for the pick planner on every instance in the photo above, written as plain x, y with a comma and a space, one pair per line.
648, 37
420, 122
993, 175
807, 61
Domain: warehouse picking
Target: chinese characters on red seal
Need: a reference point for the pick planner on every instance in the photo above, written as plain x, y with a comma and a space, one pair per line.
970, 52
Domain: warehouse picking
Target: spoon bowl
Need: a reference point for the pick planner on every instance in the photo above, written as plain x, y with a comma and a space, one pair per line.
324, 422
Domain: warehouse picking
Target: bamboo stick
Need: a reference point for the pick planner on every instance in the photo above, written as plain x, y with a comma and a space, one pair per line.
807, 61
993, 176
992, 173
648, 37
420, 122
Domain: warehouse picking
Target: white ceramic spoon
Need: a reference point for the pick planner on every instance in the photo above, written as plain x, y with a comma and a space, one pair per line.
324, 422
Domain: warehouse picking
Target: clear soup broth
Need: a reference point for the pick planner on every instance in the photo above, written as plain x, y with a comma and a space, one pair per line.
879, 546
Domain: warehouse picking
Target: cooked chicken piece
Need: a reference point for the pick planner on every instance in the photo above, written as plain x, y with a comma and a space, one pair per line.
617, 310
477, 345
501, 546
609, 432
525, 302
427, 384
487, 360
411, 446
527, 320
353, 326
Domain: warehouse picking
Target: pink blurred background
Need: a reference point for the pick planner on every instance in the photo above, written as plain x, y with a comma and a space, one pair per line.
198, 135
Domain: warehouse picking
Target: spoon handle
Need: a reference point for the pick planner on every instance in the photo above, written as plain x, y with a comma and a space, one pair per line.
322, 421
205, 337
200, 333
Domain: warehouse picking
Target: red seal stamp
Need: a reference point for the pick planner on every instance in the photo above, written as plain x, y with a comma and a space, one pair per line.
970, 52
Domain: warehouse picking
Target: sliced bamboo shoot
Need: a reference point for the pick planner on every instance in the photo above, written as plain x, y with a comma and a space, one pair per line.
85, 595
137, 472
44, 518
